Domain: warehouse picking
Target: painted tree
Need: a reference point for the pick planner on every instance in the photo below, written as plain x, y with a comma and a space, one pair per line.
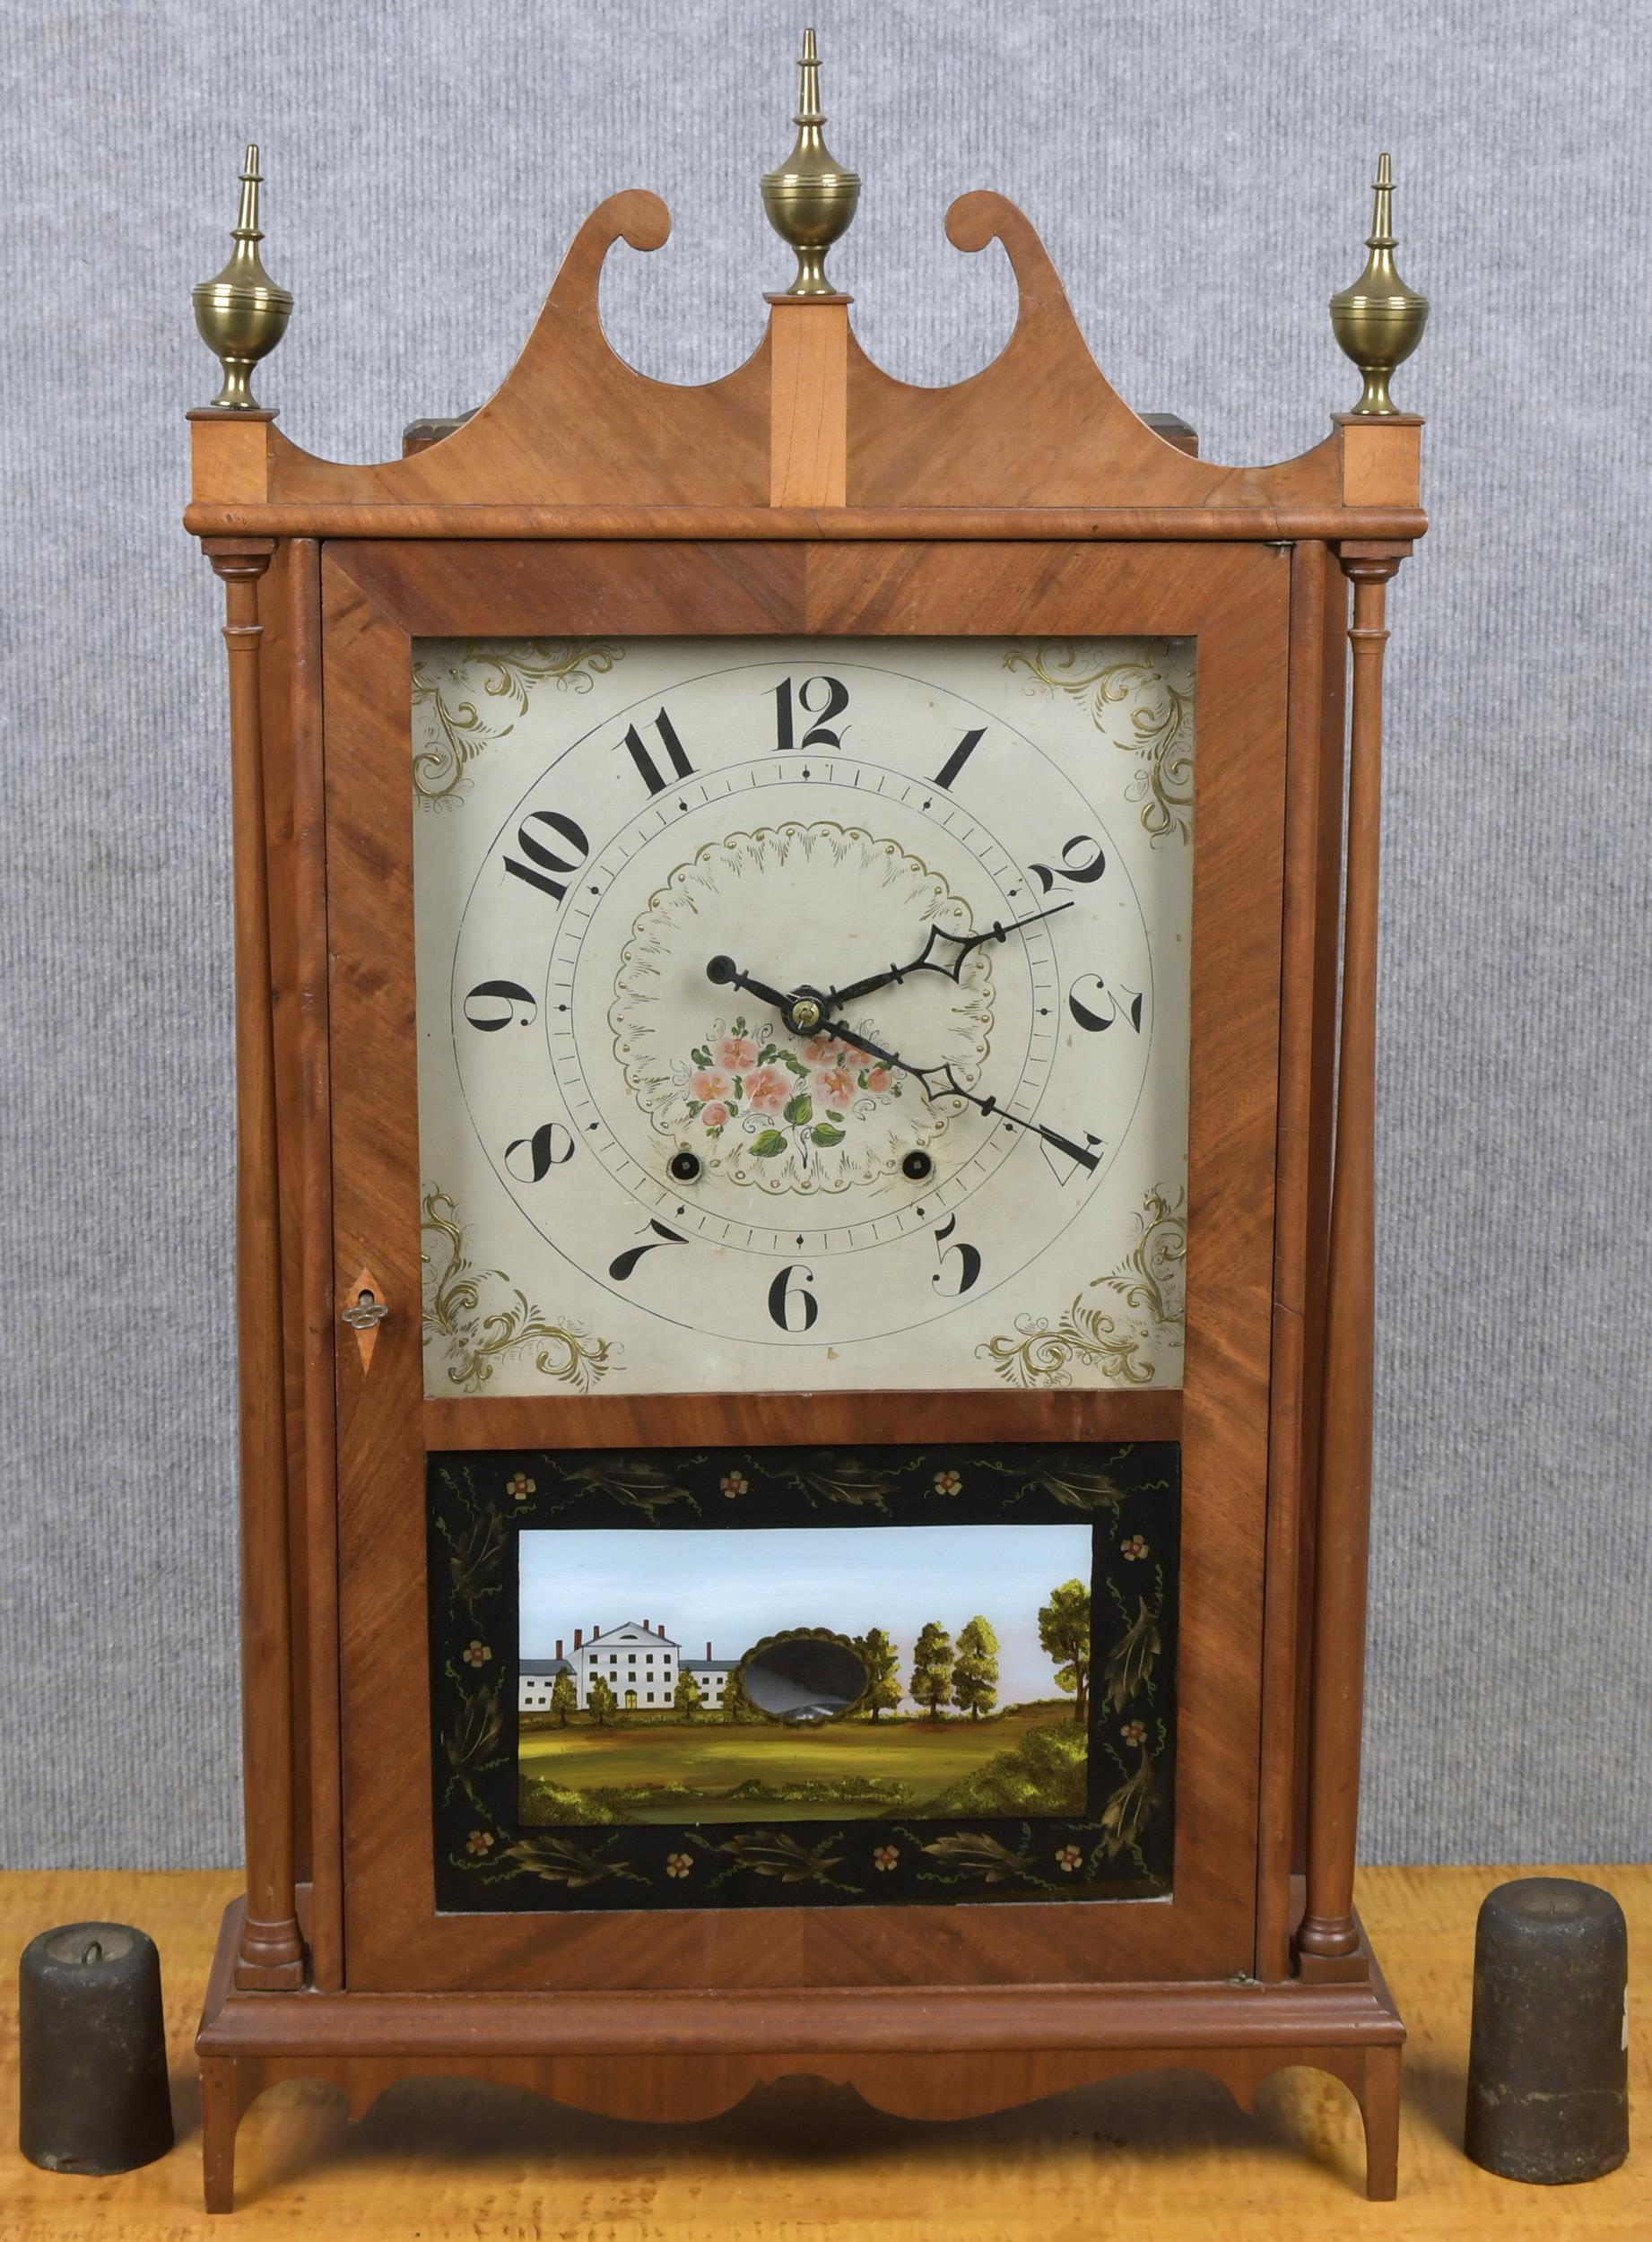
1064, 1631
685, 1698
564, 1698
975, 1670
878, 1655
737, 1707
932, 1668
602, 1702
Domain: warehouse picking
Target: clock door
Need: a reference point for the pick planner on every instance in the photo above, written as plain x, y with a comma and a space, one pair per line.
804, 1039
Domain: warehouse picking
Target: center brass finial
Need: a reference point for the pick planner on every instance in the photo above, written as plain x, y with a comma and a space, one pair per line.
811, 199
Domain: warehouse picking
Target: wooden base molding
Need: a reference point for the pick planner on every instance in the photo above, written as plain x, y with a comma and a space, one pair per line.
678, 2056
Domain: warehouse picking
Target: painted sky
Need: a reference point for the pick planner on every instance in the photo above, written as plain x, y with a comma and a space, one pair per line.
739, 1584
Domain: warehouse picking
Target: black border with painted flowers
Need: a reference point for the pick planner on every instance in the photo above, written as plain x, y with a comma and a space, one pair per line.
486, 1861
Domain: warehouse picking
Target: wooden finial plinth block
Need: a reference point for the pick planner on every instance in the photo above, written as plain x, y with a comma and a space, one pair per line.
808, 428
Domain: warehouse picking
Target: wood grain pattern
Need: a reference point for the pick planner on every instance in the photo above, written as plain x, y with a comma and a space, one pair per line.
1322, 1124
1092, 525
1041, 425
1286, 1489
306, 1117
571, 425
277, 667
272, 1949
598, 1420
1237, 602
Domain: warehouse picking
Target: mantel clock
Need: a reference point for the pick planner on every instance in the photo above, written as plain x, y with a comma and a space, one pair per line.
805, 1245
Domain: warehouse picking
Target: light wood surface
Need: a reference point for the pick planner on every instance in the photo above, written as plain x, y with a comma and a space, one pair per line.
1165, 2156
808, 426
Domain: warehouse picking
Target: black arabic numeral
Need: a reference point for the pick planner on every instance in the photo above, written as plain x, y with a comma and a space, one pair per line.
968, 1261
648, 770
821, 734
494, 1004
542, 862
783, 1296
1081, 869
550, 1146
1083, 1008
960, 756
622, 1264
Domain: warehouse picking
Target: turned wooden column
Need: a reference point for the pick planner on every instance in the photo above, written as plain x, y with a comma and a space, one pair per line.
1328, 1935
271, 1950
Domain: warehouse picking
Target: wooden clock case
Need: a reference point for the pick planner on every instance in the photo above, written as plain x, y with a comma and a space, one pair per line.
807, 493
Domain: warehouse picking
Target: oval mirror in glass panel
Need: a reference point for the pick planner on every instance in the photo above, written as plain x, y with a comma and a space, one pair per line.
804, 1676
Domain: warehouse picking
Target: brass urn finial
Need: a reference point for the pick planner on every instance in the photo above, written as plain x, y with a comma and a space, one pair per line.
240, 312
1379, 321
811, 199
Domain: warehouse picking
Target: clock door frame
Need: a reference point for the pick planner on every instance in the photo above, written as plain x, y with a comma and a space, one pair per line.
377, 596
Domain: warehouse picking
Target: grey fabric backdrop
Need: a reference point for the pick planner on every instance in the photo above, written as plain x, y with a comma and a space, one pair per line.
1199, 170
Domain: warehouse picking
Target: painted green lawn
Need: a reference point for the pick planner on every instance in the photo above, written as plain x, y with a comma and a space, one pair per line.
710, 1757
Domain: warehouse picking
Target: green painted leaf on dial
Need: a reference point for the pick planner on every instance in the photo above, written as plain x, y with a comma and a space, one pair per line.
823, 1132
800, 1109
767, 1143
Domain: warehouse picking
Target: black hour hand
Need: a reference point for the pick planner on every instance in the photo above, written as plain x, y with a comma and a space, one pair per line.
801, 1014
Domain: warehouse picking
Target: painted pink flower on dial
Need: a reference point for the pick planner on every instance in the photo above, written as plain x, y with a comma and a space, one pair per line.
878, 1080
834, 1086
768, 1090
819, 1049
711, 1083
734, 1053
715, 1116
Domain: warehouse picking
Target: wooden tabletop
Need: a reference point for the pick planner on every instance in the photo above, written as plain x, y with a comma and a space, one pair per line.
1166, 2157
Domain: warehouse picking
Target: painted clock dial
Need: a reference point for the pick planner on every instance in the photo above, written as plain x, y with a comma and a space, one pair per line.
802, 1014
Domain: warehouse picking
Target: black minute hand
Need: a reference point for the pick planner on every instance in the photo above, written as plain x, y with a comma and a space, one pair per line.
953, 966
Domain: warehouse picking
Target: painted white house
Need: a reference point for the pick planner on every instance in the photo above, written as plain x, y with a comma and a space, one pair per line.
637, 1660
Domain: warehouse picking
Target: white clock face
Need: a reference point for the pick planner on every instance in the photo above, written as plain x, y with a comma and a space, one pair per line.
802, 1014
